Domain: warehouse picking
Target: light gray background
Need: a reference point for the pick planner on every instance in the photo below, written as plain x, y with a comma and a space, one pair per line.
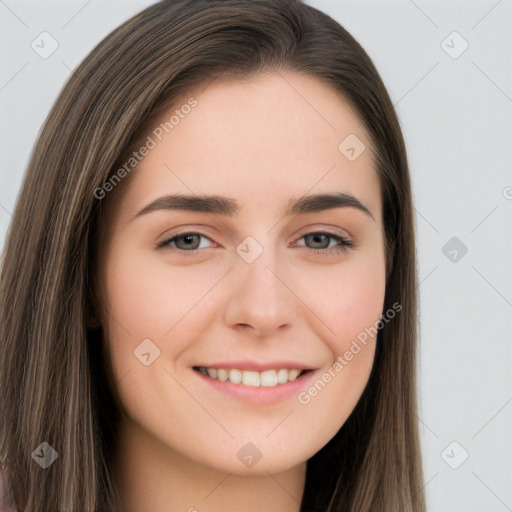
456, 115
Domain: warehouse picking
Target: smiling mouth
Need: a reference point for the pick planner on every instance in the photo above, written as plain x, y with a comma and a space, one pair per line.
267, 378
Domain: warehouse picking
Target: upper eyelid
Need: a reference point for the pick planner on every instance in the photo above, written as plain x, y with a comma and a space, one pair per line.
314, 228
329, 233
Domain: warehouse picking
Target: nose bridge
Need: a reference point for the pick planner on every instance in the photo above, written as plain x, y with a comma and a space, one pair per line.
260, 274
260, 298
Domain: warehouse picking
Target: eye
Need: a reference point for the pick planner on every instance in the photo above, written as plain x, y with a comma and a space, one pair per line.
188, 243
190, 239
320, 237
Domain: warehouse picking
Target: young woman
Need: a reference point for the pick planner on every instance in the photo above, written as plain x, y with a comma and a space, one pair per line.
208, 289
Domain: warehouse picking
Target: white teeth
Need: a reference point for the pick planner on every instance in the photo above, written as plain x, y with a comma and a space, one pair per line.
221, 374
235, 376
282, 376
293, 374
250, 378
268, 378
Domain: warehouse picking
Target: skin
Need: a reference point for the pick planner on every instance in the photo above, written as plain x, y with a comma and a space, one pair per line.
262, 142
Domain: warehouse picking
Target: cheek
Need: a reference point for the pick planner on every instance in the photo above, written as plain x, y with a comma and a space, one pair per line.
360, 299
350, 303
147, 299
351, 307
141, 299
347, 297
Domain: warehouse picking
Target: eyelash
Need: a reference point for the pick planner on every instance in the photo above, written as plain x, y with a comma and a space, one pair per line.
343, 246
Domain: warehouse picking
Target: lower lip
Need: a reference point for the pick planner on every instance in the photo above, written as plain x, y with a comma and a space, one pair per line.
262, 395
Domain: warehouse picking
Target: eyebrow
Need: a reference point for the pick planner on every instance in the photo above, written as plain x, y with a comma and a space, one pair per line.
222, 205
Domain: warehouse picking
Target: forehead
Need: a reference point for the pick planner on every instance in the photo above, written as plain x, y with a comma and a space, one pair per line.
278, 135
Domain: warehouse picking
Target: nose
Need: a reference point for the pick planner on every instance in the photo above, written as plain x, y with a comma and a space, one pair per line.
260, 299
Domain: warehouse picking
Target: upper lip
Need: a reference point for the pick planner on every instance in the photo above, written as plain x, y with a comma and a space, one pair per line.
255, 366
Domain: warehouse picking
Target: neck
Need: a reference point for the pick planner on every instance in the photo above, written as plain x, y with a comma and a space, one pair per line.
151, 476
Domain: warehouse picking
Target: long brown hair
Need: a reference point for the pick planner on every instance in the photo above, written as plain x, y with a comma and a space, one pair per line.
55, 380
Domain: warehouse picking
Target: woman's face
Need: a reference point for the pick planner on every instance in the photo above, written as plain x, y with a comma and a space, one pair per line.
262, 292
